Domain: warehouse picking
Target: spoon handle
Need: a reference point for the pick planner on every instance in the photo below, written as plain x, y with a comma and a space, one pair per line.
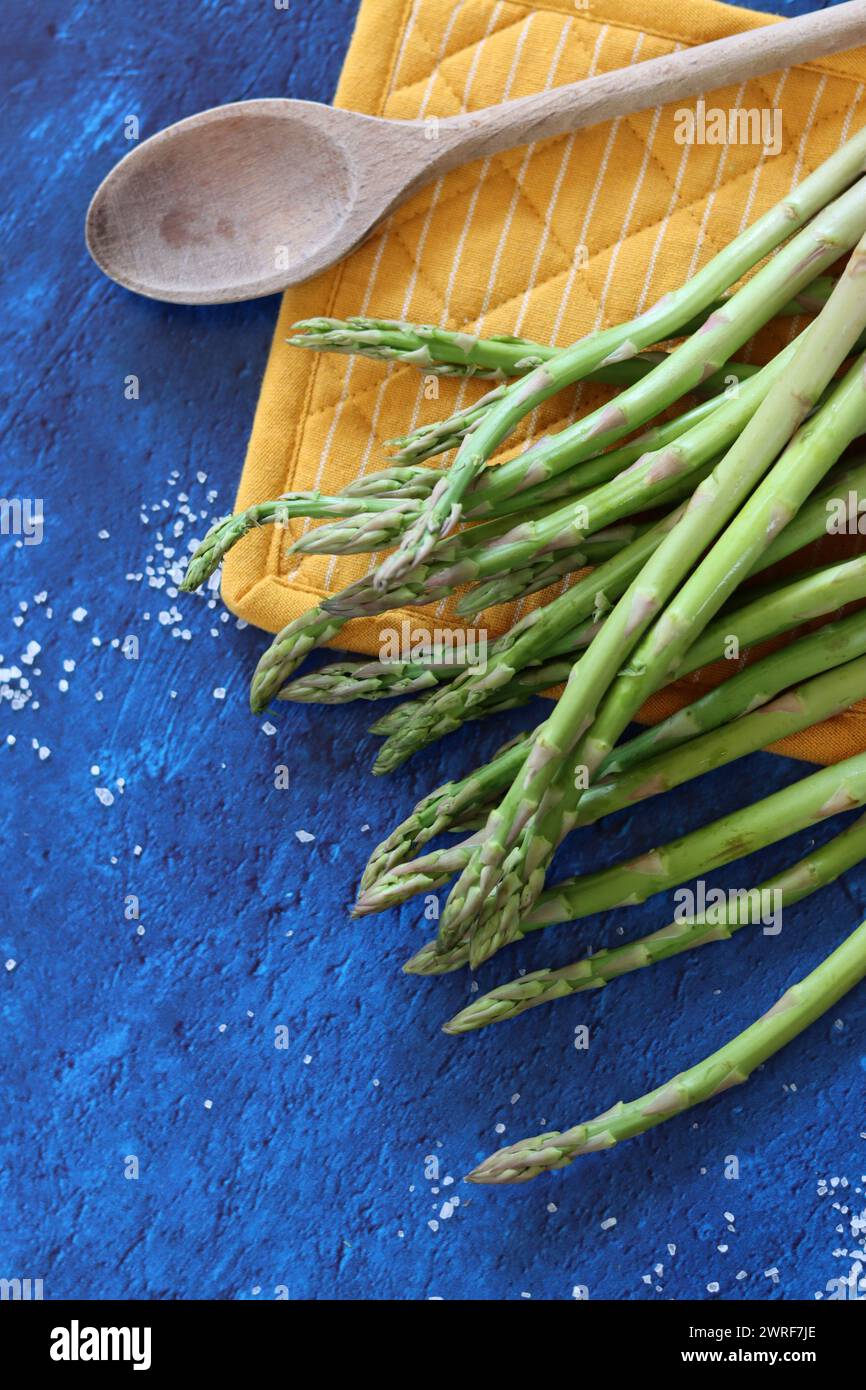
656, 82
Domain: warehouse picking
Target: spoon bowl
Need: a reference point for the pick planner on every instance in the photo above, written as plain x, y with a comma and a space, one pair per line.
233, 203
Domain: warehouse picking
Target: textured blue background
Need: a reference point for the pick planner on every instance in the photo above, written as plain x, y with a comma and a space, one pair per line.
308, 1168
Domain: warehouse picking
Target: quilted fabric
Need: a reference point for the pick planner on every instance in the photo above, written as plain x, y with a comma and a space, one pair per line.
549, 241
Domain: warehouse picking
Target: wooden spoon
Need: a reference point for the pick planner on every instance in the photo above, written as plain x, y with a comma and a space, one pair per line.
243, 200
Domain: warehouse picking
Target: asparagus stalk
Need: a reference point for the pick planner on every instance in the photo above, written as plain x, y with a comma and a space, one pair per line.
669, 563
780, 496
825, 793
448, 353
642, 485
226, 532
751, 688
438, 437
322, 623
444, 352
507, 872
733, 1063
754, 619
441, 810
820, 867
362, 531
809, 524
344, 681
411, 480
790, 271
837, 687
353, 537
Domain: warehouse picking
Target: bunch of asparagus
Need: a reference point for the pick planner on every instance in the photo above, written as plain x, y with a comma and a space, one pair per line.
657, 522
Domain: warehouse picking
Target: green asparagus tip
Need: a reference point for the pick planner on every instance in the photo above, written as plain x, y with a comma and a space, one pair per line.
467, 1021
257, 704
198, 572
304, 327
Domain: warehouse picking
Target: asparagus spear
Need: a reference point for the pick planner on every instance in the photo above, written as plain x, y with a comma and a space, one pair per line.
569, 456
801, 706
713, 503
411, 480
226, 532
353, 537
441, 810
826, 793
790, 271
507, 872
752, 620
647, 481
820, 867
446, 353
450, 353
441, 435
343, 681
322, 623
733, 1063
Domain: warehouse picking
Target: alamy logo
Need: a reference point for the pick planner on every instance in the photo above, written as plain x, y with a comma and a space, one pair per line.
76, 1343
442, 646
23, 1289
22, 516
734, 125
716, 907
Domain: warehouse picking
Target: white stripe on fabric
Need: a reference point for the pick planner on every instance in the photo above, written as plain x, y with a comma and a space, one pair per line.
807, 130
629, 213
796, 323
557, 187
377, 259
674, 199
374, 270
512, 208
708, 207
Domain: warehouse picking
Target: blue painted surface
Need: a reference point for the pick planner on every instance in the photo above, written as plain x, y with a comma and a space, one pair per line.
303, 1167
